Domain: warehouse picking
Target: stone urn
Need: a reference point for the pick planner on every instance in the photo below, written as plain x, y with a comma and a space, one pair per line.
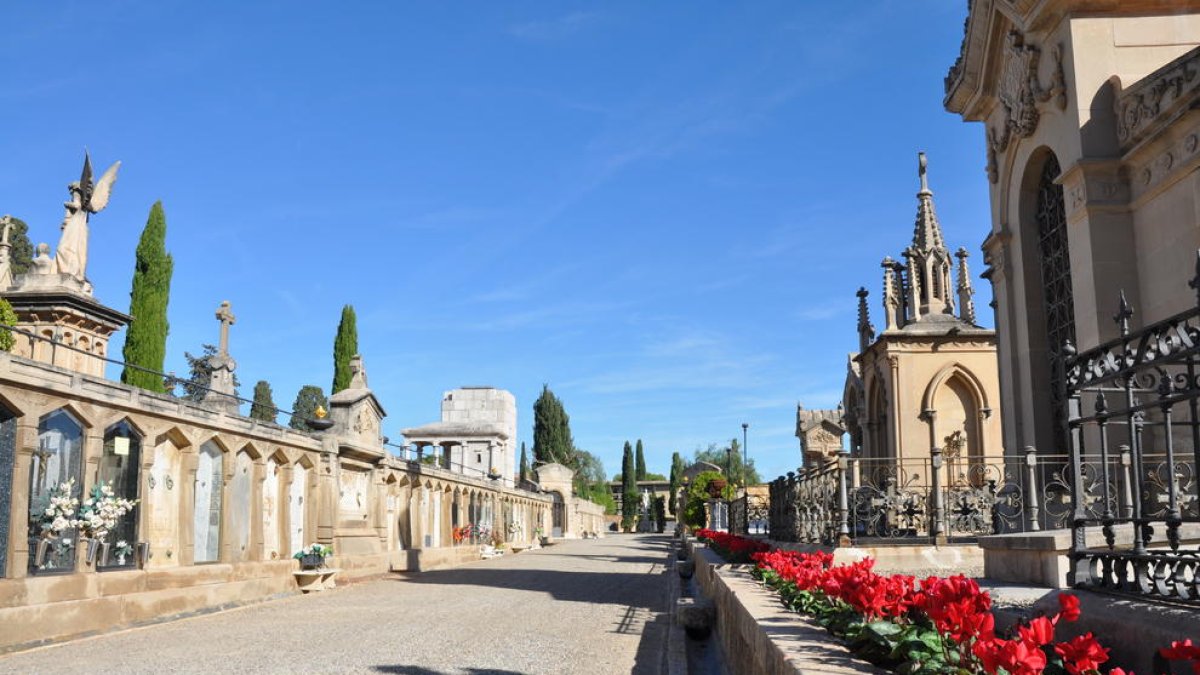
716, 487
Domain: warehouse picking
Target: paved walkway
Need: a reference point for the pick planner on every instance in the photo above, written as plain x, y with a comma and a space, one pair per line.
594, 606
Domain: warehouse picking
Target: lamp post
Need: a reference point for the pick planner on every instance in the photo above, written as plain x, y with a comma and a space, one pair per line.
745, 458
729, 477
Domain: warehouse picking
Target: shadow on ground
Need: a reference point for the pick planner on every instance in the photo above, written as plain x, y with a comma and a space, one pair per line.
419, 670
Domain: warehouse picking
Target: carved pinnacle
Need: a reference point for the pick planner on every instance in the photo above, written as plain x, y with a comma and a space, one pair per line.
1124, 312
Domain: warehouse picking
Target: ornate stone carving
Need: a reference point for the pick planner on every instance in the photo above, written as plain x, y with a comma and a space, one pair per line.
1020, 91
1144, 102
87, 197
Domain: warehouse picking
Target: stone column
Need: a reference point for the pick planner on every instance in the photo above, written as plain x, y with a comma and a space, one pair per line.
257, 540
189, 458
287, 474
93, 448
327, 491
18, 534
228, 469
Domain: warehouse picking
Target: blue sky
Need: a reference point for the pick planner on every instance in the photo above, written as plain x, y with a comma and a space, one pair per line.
662, 210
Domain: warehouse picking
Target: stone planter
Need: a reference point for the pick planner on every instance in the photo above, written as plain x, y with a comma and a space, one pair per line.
716, 487
311, 561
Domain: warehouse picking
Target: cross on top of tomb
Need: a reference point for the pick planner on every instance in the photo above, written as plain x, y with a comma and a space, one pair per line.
227, 319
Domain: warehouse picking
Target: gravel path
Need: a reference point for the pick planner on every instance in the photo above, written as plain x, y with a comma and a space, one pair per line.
593, 606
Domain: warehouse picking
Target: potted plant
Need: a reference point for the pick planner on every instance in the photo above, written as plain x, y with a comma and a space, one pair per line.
58, 516
313, 556
716, 487
100, 513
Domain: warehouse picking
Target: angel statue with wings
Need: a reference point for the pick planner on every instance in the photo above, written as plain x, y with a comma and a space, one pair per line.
87, 197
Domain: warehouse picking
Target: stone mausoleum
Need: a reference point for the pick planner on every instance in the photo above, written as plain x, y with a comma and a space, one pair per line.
223, 500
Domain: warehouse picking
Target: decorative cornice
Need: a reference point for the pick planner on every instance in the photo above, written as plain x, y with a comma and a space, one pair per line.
1157, 98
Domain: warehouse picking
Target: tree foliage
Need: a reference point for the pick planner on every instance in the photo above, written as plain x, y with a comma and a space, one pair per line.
552, 440
20, 256
640, 467
263, 408
524, 464
677, 469
629, 492
694, 512
308, 399
8, 317
715, 454
345, 346
146, 338
200, 370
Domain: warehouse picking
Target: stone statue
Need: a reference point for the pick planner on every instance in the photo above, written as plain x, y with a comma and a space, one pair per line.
5, 263
42, 262
87, 197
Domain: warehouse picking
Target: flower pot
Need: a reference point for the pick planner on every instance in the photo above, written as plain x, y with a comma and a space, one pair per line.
104, 549
716, 486
311, 561
143, 553
39, 554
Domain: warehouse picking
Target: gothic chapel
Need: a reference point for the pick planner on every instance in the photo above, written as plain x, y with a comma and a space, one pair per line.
928, 380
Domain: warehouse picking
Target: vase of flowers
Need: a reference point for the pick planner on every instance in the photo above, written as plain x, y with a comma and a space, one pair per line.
313, 556
122, 550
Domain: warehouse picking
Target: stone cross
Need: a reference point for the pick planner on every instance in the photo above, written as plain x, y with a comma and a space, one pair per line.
227, 319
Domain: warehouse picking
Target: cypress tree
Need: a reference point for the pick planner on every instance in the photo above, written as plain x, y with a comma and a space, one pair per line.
629, 493
676, 478
641, 462
552, 440
524, 463
263, 408
146, 339
345, 345
307, 399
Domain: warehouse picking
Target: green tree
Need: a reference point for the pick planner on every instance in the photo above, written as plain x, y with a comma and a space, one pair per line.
552, 440
629, 493
308, 399
660, 514
715, 454
641, 462
200, 369
20, 256
524, 464
263, 408
146, 338
694, 511
345, 346
677, 469
8, 317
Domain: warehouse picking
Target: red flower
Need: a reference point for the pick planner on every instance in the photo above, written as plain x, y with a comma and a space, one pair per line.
1068, 606
1183, 650
1081, 654
1014, 656
1040, 631
1119, 671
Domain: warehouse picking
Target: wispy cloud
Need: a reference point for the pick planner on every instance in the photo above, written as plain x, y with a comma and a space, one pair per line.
557, 28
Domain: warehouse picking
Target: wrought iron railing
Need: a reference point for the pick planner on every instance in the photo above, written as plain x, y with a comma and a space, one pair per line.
1133, 427
939, 497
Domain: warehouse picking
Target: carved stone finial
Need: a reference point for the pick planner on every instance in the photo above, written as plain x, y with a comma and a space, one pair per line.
966, 305
227, 319
922, 168
891, 301
866, 332
358, 373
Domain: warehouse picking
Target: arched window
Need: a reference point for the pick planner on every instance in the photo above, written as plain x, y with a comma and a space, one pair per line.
8, 444
55, 480
1055, 264
207, 506
119, 469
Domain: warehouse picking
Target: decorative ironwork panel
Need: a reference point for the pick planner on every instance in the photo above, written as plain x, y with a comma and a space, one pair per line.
1133, 419
1054, 253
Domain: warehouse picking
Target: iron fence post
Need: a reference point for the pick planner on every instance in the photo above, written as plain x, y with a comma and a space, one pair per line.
843, 501
1032, 489
939, 505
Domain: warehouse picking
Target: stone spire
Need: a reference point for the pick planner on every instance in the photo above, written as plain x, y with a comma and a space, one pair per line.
929, 266
892, 305
866, 332
966, 306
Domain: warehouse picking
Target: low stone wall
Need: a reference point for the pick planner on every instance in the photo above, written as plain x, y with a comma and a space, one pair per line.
42, 609
901, 558
1040, 558
755, 630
